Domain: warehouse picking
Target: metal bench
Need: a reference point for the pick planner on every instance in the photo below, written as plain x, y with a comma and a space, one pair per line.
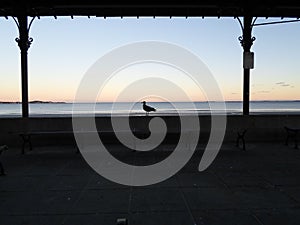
2, 149
26, 137
241, 136
292, 133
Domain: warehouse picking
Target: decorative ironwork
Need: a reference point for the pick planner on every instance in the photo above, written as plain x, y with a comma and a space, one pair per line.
26, 44
241, 39
276, 22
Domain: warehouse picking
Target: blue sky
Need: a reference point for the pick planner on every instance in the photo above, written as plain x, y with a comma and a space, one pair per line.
64, 49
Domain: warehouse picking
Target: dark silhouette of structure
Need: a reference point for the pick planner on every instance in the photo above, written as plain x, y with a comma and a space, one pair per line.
21, 11
2, 149
148, 108
292, 133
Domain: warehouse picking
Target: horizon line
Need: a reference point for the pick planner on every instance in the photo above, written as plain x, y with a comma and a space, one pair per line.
87, 102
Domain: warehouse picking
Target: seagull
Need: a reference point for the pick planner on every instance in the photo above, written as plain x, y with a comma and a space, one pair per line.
148, 108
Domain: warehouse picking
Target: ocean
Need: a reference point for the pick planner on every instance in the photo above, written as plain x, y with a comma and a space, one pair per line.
108, 108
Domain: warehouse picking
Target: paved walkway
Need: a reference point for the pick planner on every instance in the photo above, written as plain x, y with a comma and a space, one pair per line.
53, 185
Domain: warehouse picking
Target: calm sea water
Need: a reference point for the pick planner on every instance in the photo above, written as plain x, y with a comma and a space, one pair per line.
12, 110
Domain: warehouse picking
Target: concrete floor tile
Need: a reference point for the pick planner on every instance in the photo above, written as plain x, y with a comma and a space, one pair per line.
157, 199
154, 218
103, 201
223, 217
209, 198
279, 217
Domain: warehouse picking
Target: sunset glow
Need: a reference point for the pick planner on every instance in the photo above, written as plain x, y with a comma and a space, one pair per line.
64, 49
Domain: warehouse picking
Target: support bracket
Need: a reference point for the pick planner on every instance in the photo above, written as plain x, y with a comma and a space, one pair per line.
27, 43
241, 38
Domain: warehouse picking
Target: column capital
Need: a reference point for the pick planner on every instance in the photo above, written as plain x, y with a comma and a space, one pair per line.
24, 41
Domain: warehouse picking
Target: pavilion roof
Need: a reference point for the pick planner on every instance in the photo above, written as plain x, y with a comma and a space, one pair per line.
187, 8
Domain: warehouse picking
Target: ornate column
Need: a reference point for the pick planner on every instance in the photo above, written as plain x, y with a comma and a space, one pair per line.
24, 42
246, 41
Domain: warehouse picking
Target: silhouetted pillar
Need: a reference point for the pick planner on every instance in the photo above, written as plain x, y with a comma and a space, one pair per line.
24, 43
246, 42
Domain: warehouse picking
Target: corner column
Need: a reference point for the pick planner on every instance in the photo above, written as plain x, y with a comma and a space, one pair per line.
24, 43
246, 41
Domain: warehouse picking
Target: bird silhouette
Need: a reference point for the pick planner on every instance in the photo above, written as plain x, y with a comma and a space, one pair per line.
148, 108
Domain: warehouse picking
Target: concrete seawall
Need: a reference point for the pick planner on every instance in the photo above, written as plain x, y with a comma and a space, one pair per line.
268, 128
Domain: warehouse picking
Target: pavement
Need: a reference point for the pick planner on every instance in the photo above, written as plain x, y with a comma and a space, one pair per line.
54, 185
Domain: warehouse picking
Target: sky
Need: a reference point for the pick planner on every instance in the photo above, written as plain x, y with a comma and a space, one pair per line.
64, 49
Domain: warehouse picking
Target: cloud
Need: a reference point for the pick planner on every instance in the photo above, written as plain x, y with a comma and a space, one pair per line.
283, 84
264, 92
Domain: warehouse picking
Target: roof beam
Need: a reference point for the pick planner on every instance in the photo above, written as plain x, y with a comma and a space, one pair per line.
225, 8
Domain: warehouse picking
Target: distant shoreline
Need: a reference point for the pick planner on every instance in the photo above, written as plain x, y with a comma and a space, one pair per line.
229, 101
34, 102
163, 108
